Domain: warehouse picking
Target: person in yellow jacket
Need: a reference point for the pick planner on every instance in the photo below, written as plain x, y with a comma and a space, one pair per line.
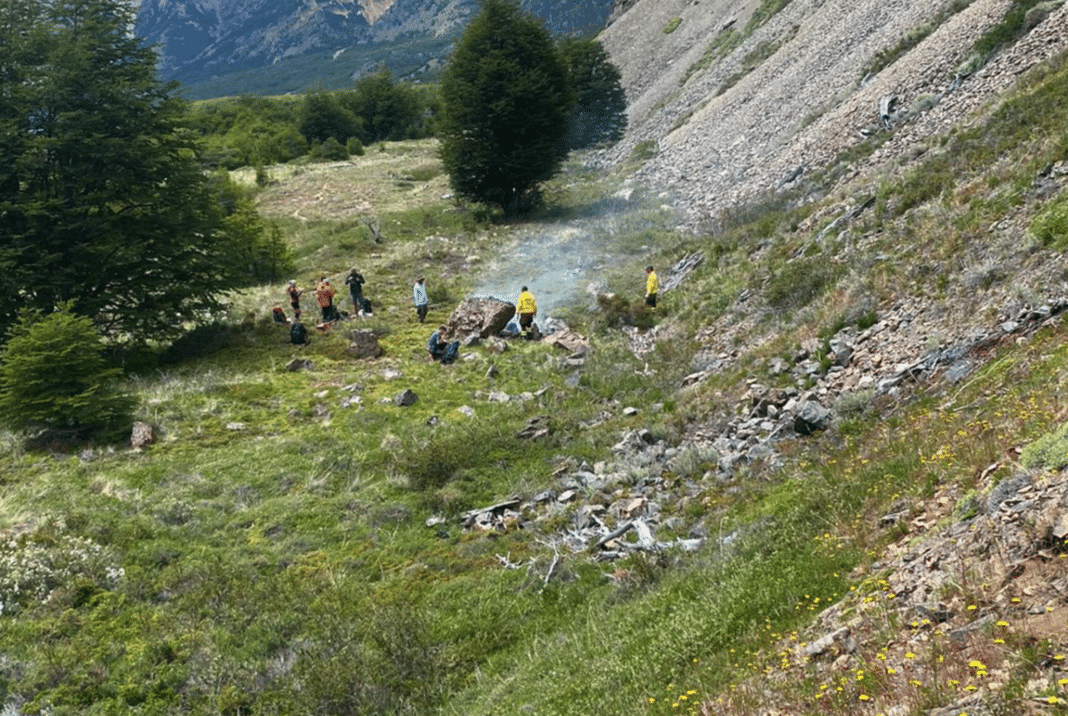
652, 286
526, 307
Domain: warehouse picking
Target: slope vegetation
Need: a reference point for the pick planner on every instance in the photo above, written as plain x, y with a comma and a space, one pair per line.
824, 476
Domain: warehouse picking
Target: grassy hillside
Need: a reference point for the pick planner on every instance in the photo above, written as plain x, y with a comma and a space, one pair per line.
293, 542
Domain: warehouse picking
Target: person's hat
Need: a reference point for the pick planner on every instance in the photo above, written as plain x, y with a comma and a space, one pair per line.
292, 281
421, 278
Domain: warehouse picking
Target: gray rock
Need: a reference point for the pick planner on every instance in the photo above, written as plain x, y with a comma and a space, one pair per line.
812, 417
364, 345
406, 398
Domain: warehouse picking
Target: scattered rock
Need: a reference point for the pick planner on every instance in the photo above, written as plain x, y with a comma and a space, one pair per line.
364, 345
405, 399
142, 434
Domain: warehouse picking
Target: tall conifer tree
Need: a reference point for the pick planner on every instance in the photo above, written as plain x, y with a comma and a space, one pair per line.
506, 100
600, 113
102, 202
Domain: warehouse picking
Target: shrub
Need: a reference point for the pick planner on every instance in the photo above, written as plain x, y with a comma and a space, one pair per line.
330, 150
53, 376
1051, 226
619, 311
672, 25
800, 282
1049, 452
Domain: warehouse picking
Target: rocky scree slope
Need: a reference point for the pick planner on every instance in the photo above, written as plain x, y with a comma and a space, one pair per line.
725, 137
720, 144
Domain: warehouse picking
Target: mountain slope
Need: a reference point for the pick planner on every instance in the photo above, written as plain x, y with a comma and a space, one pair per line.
796, 91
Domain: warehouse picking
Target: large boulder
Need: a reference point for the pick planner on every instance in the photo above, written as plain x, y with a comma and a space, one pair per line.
364, 344
484, 316
812, 417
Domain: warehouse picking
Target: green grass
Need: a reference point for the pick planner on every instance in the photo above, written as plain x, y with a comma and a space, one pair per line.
271, 553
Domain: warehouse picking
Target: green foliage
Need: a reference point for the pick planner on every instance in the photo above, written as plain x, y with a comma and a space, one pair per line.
506, 101
248, 131
764, 12
722, 45
1050, 226
323, 117
799, 282
600, 113
53, 376
388, 110
672, 25
886, 57
1012, 27
102, 201
618, 311
329, 150
1049, 452
644, 150
753, 59
451, 452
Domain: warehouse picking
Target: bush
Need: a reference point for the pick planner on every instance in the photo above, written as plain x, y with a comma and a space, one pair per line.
800, 282
618, 311
330, 150
1049, 452
1051, 226
53, 376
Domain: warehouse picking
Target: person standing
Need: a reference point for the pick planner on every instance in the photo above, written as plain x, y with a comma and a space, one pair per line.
419, 297
324, 296
652, 287
527, 308
355, 283
294, 298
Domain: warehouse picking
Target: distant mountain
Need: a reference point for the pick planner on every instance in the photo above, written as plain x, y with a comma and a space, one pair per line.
203, 41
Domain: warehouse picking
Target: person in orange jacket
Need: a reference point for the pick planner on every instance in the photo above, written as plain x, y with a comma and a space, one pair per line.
324, 296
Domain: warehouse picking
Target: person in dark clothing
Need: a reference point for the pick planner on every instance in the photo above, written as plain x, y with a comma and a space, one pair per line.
355, 282
439, 349
294, 298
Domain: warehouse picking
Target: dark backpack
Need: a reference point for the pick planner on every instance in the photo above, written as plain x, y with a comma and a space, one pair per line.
298, 334
365, 306
451, 352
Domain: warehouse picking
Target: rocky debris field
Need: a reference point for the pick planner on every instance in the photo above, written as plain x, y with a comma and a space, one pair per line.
719, 144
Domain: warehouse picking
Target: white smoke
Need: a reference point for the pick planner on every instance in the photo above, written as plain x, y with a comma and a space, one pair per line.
563, 263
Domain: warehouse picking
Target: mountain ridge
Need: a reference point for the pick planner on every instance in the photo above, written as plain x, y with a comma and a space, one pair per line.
204, 39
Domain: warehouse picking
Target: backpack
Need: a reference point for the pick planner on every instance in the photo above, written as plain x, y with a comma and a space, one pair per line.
365, 306
451, 352
298, 334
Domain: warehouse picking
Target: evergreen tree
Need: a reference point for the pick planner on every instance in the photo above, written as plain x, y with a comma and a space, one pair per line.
102, 202
324, 117
389, 110
506, 100
600, 113
53, 376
